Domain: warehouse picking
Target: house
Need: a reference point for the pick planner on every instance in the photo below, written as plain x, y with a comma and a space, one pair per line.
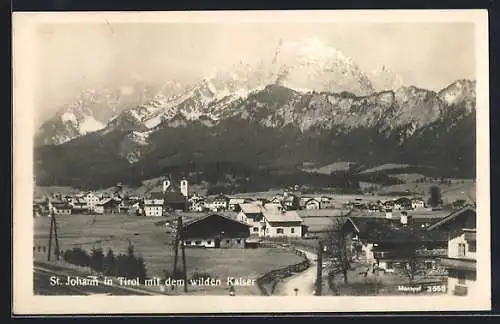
260, 201
37, 212
153, 207
234, 203
274, 205
403, 203
396, 206
251, 214
373, 207
215, 231
277, 200
108, 206
196, 203
327, 202
40, 207
197, 207
280, 223
303, 200
417, 203
458, 204
388, 204
460, 261
391, 242
129, 206
175, 200
154, 204
79, 205
195, 199
291, 202
220, 202
92, 200
312, 204
61, 207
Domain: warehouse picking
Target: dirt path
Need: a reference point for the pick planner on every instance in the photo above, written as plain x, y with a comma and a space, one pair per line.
303, 281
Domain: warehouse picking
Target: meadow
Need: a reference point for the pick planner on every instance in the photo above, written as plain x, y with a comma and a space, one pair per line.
156, 247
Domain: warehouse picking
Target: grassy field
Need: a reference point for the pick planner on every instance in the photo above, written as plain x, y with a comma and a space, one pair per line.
316, 224
458, 189
327, 169
114, 232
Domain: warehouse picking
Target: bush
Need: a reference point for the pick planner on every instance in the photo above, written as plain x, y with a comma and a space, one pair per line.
78, 257
124, 265
130, 266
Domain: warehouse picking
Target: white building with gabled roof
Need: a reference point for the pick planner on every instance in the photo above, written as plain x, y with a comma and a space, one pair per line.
461, 261
280, 223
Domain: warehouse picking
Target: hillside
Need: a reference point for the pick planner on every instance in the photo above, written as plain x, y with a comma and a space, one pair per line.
255, 125
268, 135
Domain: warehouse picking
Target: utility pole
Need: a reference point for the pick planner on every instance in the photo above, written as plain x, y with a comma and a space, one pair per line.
179, 239
319, 268
53, 229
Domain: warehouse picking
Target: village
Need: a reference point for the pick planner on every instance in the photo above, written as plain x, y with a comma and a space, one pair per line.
367, 245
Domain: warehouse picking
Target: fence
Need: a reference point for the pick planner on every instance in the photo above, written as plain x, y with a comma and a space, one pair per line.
267, 283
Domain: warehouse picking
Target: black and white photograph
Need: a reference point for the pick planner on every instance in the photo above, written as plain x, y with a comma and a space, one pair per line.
312, 160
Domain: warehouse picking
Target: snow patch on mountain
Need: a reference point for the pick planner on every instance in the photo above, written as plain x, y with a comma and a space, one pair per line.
310, 64
384, 79
89, 125
140, 138
460, 92
69, 117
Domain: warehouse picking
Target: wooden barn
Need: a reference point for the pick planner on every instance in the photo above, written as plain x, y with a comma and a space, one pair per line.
215, 231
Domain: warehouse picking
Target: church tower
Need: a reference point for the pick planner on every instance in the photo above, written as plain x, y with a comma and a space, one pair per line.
166, 185
184, 188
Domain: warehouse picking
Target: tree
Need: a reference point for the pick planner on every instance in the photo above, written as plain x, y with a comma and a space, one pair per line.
141, 269
435, 196
121, 268
97, 259
109, 263
130, 265
338, 243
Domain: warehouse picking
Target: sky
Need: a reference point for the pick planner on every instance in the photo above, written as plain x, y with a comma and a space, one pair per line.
74, 56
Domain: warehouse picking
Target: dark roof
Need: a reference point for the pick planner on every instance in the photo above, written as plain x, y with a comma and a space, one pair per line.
468, 209
130, 202
205, 216
391, 231
174, 197
156, 195
221, 197
61, 204
341, 221
403, 200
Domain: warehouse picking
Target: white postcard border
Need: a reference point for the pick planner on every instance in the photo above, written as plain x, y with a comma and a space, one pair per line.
24, 302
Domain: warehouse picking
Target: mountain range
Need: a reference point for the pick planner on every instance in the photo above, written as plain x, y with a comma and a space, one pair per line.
307, 103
